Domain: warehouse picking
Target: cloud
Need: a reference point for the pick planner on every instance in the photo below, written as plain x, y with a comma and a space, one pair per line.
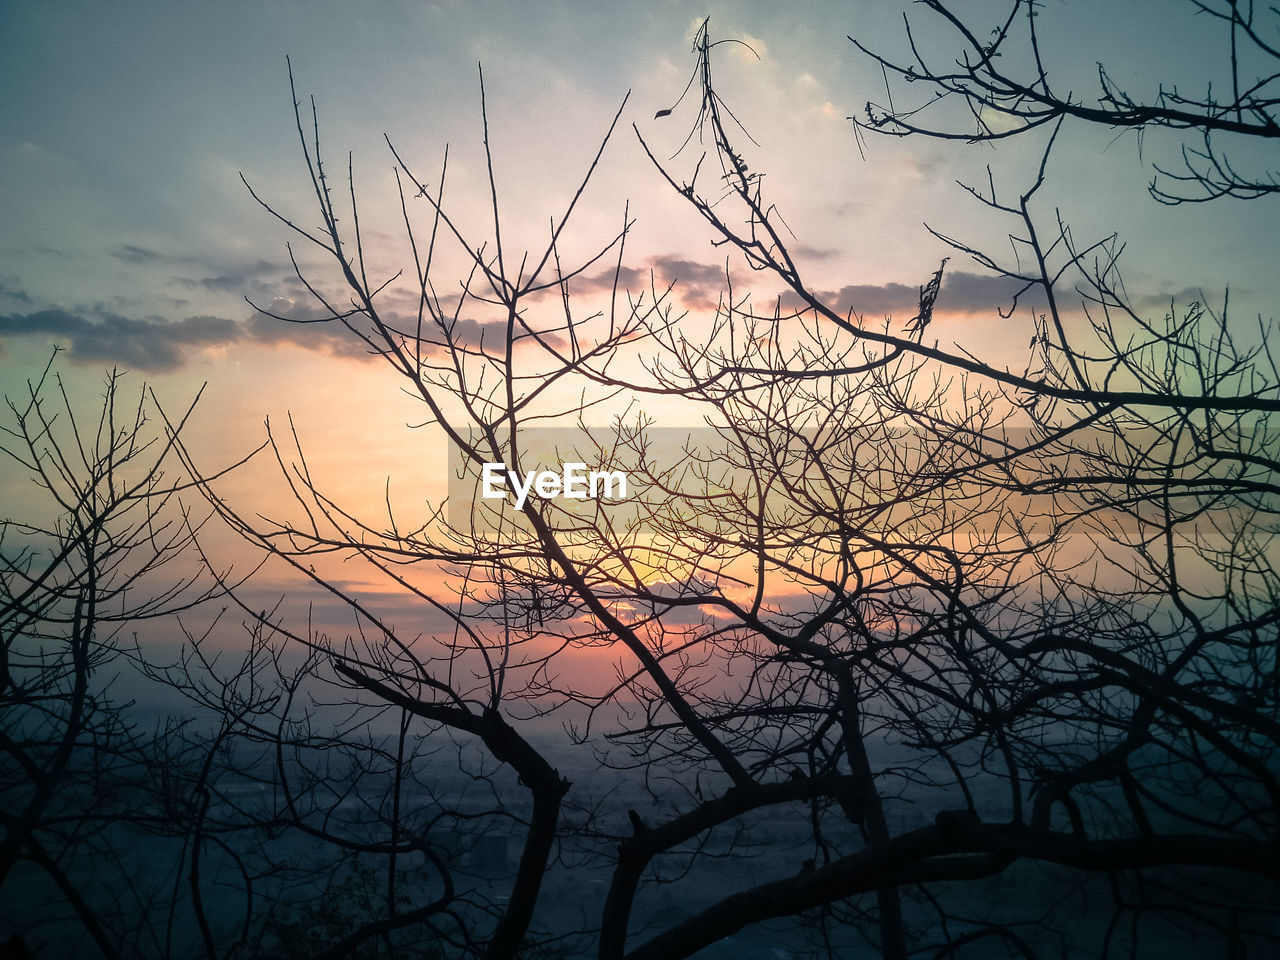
697, 285
14, 293
492, 336
104, 333
687, 271
312, 329
150, 344
863, 298
1178, 300
629, 278
814, 253
310, 326
97, 333
962, 292
234, 281
700, 285
140, 255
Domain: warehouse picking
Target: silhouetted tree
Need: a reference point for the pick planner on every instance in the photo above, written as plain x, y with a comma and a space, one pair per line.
1009, 85
1089, 595
97, 549
906, 631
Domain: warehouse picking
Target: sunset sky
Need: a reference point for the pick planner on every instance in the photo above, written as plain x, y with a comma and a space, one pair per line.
130, 239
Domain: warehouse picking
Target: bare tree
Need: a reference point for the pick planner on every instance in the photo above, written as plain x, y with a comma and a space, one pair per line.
908, 625
1007, 86
98, 549
1098, 631
460, 691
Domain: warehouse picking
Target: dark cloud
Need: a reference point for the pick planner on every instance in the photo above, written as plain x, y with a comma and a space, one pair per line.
962, 292
233, 281
98, 334
974, 293
700, 285
864, 298
150, 344
978, 293
814, 253
492, 336
103, 333
140, 255
155, 345
688, 271
697, 285
13, 293
1177, 300
628, 278
307, 324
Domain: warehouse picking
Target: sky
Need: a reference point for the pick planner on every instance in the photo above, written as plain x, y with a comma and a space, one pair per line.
130, 239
